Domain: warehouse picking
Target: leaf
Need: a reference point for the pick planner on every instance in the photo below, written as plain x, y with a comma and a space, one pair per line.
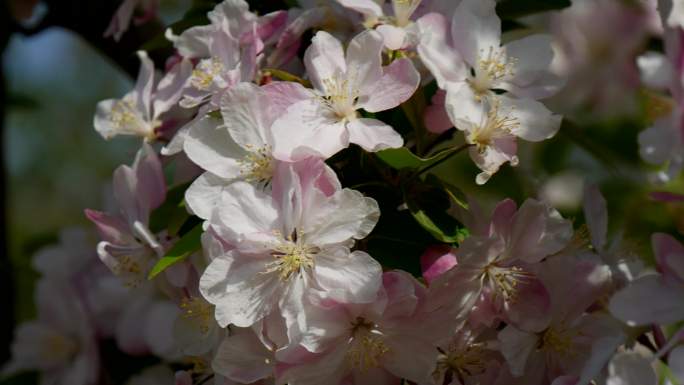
513, 9
286, 76
172, 213
402, 158
188, 244
428, 203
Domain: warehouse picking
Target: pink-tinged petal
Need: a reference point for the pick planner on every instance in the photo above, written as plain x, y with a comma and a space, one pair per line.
121, 20
348, 278
475, 28
535, 122
151, 184
125, 184
596, 216
344, 216
271, 25
393, 37
373, 135
648, 299
628, 368
324, 59
436, 260
605, 336
454, 292
404, 295
533, 77
240, 289
436, 119
328, 368
204, 193
502, 219
530, 311
243, 358
516, 347
369, 8
364, 62
308, 129
209, 145
538, 231
398, 83
288, 195
463, 108
573, 284
170, 87
437, 53
503, 150
112, 228
144, 85
290, 40
410, 358
669, 254
247, 215
280, 96
129, 333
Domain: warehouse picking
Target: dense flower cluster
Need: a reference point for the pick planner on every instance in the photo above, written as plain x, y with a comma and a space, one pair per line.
256, 265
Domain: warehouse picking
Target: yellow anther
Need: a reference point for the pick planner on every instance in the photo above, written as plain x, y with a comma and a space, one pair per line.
258, 165
205, 72
198, 311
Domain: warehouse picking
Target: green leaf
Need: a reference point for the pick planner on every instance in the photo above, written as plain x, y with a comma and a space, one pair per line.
172, 213
513, 9
428, 203
23, 378
286, 76
188, 244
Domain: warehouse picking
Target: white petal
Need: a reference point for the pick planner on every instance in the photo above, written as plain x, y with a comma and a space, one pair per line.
204, 194
398, 83
535, 121
324, 59
436, 53
171, 86
532, 77
364, 61
308, 129
211, 147
348, 278
596, 216
344, 216
243, 358
631, 369
373, 135
657, 143
366, 7
475, 28
648, 300
144, 85
247, 215
463, 108
393, 37
516, 346
243, 112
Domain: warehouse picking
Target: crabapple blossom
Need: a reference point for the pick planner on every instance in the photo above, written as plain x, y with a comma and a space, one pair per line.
140, 112
238, 146
289, 243
328, 120
129, 248
124, 15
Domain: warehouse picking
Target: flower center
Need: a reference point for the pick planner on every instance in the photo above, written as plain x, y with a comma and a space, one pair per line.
198, 311
292, 256
203, 75
258, 165
558, 341
495, 126
505, 280
341, 96
367, 345
492, 66
464, 362
130, 270
125, 118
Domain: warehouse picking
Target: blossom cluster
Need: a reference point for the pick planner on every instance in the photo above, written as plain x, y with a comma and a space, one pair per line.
245, 243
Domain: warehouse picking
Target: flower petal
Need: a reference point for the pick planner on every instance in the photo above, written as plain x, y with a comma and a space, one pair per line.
324, 59
364, 61
210, 146
398, 83
532, 77
534, 121
348, 278
475, 28
648, 300
373, 135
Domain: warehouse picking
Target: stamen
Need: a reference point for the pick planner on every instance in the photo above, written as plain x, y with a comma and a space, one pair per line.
258, 165
505, 280
496, 125
367, 345
125, 118
464, 362
130, 270
493, 66
198, 311
292, 256
203, 75
558, 341
341, 95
